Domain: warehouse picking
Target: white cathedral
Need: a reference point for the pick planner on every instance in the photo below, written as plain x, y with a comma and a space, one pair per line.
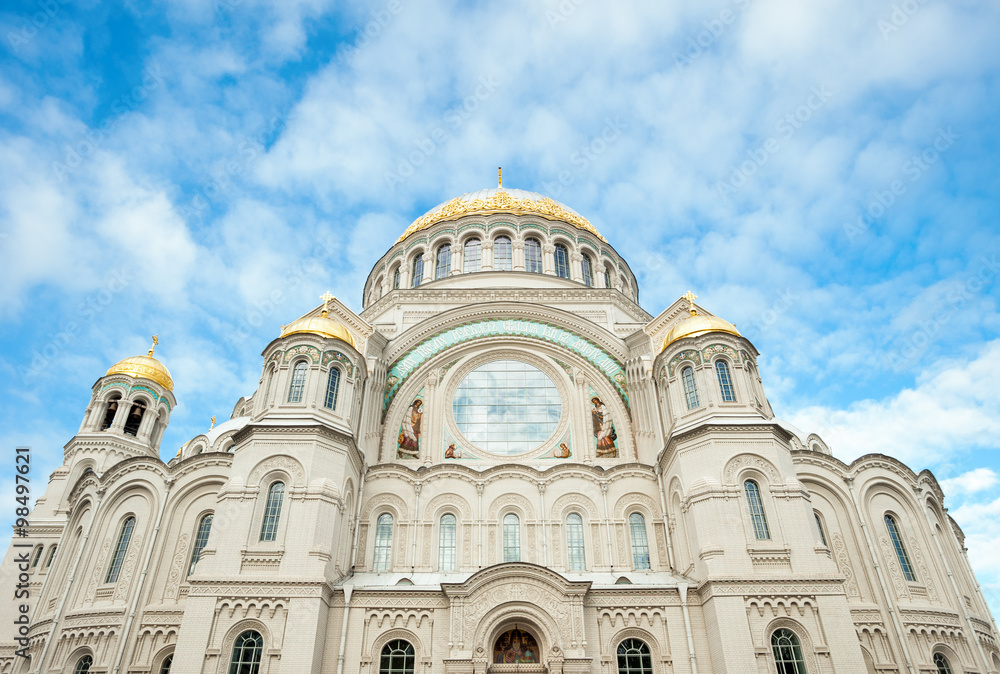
502, 464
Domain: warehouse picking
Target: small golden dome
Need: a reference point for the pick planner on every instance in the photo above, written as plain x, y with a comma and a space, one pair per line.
695, 325
321, 325
146, 367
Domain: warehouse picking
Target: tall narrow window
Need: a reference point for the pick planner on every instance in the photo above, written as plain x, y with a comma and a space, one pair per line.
897, 543
166, 664
418, 271
607, 277
332, 387
756, 506
447, 543
725, 381
267, 391
272, 512
511, 538
247, 650
473, 257
124, 536
52, 556
395, 278
443, 267
588, 270
942, 664
690, 390
383, 543
134, 418
533, 256
83, 665
109, 414
397, 657
37, 556
634, 657
787, 652
200, 541
562, 261
298, 385
640, 544
574, 542
502, 254
819, 526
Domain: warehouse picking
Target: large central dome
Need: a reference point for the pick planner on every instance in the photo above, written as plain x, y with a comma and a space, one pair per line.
501, 200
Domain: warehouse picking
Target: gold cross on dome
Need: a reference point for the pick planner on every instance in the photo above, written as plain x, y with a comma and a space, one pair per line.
690, 297
213, 423
326, 297
499, 177
155, 342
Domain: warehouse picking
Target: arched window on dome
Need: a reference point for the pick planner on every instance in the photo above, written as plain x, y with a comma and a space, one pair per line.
443, 267
757, 517
298, 384
562, 261
472, 258
640, 543
124, 536
247, 650
787, 652
690, 390
267, 389
634, 657
272, 512
383, 543
900, 547
819, 526
397, 657
166, 664
503, 255
511, 538
332, 389
83, 665
200, 540
574, 542
587, 268
608, 283
942, 664
395, 277
36, 557
418, 271
447, 543
134, 418
725, 381
110, 411
533, 256
52, 556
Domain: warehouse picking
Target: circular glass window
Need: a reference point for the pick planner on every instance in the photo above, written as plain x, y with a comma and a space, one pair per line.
507, 407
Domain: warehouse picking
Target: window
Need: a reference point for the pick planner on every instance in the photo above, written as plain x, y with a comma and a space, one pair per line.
134, 418
418, 271
473, 255
332, 387
272, 512
897, 543
267, 391
443, 267
607, 277
446, 540
640, 544
533, 256
395, 278
83, 665
588, 270
383, 543
942, 664
634, 657
165, 665
124, 536
246, 653
298, 382
200, 541
690, 391
109, 414
757, 517
787, 652
574, 542
511, 538
52, 556
725, 381
502, 254
562, 261
819, 525
37, 557
397, 658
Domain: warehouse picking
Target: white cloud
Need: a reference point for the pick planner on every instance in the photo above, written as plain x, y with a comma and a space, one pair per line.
970, 482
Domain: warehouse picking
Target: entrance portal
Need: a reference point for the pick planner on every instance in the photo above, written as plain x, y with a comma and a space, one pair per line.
515, 647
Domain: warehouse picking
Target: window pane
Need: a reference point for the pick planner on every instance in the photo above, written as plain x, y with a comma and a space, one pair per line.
123, 539
200, 541
332, 387
607, 277
511, 538
588, 274
298, 384
447, 543
383, 543
52, 556
640, 544
787, 652
397, 657
247, 650
574, 542
690, 391
272, 512
897, 543
634, 657
725, 382
167, 662
395, 279
473, 255
942, 664
562, 261
83, 665
533, 256
418, 271
502, 254
757, 517
443, 262
819, 525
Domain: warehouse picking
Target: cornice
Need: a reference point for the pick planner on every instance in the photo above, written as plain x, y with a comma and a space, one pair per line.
489, 475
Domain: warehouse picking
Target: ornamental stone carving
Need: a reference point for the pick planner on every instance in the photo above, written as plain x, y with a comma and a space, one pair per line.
742, 461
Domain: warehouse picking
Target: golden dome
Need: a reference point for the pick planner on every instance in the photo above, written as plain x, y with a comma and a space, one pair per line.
695, 325
321, 325
146, 367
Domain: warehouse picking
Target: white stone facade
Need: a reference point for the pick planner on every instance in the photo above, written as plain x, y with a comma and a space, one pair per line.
671, 554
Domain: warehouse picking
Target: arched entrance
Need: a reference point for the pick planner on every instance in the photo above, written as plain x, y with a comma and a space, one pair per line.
516, 649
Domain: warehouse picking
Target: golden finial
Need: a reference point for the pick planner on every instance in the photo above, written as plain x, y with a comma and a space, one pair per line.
213, 423
690, 297
326, 297
155, 342
499, 177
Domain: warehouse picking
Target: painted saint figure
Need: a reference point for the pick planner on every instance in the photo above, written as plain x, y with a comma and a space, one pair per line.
561, 452
452, 452
515, 646
409, 432
604, 430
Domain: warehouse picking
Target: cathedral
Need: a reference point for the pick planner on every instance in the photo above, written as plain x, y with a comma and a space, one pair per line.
501, 464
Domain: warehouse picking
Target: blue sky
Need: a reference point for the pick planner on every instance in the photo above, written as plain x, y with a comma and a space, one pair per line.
823, 175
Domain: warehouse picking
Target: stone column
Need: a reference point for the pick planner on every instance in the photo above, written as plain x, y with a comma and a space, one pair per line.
575, 267
549, 259
457, 258
518, 255
487, 261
